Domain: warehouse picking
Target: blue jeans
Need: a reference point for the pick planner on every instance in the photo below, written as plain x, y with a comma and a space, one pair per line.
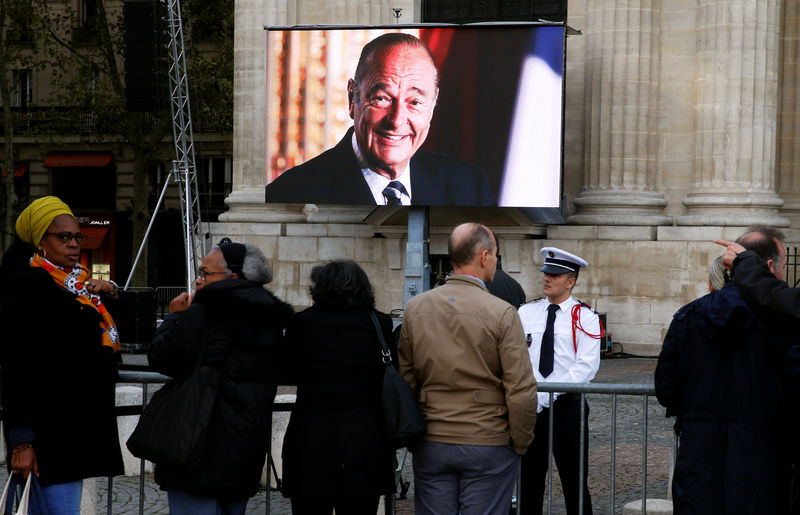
60, 499
182, 503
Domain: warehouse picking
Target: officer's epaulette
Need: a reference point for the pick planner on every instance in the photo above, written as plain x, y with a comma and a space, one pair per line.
588, 306
537, 299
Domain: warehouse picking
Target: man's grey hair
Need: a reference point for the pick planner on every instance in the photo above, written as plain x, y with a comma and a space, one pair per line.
255, 266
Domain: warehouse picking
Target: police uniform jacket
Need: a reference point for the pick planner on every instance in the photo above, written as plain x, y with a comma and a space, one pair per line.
573, 361
721, 373
464, 351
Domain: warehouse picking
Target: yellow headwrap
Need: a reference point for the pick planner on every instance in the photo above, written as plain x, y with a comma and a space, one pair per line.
37, 217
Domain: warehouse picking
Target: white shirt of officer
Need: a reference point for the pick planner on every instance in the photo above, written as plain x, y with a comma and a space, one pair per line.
569, 365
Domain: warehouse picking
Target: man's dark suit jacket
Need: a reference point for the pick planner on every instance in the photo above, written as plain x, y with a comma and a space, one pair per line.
334, 177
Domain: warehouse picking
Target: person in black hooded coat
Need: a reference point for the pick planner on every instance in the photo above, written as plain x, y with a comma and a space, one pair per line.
724, 375
243, 325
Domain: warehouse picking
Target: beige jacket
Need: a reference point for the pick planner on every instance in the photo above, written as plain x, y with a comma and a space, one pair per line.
464, 351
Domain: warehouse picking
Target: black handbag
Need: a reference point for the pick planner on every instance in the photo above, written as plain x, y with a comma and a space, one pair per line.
404, 419
172, 428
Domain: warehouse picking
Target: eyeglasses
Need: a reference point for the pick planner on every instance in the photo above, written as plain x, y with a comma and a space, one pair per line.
67, 236
202, 274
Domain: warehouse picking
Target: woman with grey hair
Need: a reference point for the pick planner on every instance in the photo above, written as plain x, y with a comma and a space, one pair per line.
235, 326
718, 275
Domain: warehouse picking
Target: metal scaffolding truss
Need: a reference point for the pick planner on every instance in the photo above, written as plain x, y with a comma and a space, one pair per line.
183, 170
183, 167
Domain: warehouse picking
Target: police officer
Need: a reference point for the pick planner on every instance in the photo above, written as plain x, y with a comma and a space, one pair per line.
562, 335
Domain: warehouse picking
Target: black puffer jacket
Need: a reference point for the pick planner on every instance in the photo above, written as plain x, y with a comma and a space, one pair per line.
57, 378
243, 324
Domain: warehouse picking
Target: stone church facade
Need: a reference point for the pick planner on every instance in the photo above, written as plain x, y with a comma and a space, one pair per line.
682, 120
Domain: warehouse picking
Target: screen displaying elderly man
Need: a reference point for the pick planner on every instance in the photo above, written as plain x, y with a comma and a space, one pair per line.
379, 162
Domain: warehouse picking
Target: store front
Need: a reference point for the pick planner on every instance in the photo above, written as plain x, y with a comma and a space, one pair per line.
98, 251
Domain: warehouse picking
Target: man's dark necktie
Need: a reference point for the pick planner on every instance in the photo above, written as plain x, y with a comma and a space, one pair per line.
392, 193
546, 355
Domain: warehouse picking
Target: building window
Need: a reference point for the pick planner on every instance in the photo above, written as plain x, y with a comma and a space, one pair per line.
22, 95
86, 28
214, 180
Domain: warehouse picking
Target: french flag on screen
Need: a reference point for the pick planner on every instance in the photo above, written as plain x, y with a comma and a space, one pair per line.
532, 172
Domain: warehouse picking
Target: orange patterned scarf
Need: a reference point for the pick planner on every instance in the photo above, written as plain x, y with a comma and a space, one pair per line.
72, 279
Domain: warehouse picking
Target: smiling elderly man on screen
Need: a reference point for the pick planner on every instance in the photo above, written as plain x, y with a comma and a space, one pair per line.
391, 101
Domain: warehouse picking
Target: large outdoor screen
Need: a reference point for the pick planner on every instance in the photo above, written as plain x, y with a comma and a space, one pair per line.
416, 115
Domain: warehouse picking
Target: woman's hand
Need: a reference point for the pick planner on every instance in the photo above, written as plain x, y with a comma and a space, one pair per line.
98, 286
23, 460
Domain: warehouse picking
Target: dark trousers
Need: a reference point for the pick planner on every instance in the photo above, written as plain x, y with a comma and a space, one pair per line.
344, 505
566, 451
468, 479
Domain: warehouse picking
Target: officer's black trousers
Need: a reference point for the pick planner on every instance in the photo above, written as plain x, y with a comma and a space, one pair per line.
566, 450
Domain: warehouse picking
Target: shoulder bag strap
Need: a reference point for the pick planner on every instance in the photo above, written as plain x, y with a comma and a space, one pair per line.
386, 356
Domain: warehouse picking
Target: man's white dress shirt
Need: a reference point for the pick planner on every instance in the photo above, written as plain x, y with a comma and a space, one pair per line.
569, 365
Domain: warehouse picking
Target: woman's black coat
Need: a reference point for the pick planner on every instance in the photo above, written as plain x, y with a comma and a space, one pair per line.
336, 442
57, 378
243, 324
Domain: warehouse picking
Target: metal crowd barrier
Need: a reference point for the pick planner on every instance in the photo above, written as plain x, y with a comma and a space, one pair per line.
613, 389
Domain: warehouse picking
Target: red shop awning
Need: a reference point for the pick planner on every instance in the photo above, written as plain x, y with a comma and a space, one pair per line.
77, 160
96, 235
19, 169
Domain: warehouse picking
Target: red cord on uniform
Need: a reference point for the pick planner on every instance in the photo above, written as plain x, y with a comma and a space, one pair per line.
576, 324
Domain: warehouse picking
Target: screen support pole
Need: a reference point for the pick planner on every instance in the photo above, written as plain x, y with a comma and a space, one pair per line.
418, 269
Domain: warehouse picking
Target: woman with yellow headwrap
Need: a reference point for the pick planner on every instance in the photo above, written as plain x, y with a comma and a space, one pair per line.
58, 356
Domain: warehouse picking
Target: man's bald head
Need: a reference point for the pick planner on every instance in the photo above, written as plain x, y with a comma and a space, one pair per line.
767, 243
467, 240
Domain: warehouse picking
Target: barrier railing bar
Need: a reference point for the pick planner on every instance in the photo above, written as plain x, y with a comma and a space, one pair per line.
518, 511
613, 450
110, 490
141, 462
581, 448
550, 454
644, 455
618, 388
268, 499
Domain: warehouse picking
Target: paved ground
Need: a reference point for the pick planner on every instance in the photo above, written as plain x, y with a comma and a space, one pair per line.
628, 455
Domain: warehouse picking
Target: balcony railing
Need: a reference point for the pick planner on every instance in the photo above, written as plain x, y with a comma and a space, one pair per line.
74, 121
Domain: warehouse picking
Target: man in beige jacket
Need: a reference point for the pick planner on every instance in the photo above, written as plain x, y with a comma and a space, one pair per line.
464, 351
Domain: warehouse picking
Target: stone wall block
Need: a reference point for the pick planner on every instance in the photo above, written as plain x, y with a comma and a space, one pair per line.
336, 248
297, 248
307, 229
284, 274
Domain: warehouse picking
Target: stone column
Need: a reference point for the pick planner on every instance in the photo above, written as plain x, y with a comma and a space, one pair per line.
733, 181
246, 200
788, 145
621, 105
